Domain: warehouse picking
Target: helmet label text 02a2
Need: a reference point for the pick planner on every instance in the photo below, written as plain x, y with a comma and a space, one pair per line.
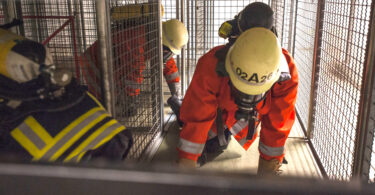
253, 78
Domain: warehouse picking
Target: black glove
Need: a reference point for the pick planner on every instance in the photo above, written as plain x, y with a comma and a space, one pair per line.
175, 103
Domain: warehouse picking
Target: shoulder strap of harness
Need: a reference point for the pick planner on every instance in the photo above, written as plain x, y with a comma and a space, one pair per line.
220, 128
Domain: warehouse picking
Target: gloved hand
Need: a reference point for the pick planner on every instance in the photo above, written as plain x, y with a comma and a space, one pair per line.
175, 103
186, 163
269, 167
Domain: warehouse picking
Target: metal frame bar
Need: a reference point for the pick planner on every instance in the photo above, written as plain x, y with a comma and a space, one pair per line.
291, 24
366, 124
12, 10
295, 29
43, 179
104, 38
316, 64
161, 68
182, 57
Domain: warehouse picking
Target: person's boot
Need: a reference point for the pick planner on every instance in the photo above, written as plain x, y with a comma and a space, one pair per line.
269, 167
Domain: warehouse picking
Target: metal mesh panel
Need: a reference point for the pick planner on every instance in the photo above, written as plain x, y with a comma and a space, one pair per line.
170, 9
344, 37
284, 22
278, 7
52, 23
304, 54
203, 21
135, 45
61, 27
86, 23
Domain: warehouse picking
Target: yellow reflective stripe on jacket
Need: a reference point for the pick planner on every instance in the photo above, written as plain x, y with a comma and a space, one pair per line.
38, 129
101, 135
106, 139
49, 152
25, 142
95, 100
72, 134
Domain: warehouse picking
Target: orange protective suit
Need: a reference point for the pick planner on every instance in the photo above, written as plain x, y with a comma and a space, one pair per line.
209, 91
129, 63
170, 71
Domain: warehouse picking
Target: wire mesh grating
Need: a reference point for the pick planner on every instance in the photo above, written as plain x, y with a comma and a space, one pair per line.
136, 68
342, 59
304, 54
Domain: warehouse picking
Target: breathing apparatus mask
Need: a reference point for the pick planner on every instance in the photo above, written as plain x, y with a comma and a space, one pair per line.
247, 108
27, 72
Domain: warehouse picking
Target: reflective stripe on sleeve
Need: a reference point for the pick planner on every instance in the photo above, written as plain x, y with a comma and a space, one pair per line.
271, 151
190, 147
71, 133
238, 126
100, 136
242, 141
172, 76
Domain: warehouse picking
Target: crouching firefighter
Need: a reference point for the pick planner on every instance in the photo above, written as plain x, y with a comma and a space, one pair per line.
174, 37
45, 115
235, 88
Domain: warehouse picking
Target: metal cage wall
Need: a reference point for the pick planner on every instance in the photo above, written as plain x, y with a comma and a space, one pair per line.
329, 42
72, 30
137, 70
330, 48
332, 43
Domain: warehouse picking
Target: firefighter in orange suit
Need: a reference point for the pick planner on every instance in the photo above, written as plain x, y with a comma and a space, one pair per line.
130, 62
248, 82
174, 37
45, 115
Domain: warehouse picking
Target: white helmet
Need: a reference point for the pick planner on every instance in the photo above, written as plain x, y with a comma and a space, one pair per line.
175, 35
253, 62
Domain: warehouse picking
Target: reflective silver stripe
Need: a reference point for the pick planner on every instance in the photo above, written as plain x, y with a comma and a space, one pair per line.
30, 134
238, 126
271, 151
211, 134
190, 147
132, 84
172, 76
98, 139
243, 141
71, 133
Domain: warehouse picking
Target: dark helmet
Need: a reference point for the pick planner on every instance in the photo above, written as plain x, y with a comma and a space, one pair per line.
255, 15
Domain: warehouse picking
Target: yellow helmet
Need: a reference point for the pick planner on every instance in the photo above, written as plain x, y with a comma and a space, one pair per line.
175, 35
253, 62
